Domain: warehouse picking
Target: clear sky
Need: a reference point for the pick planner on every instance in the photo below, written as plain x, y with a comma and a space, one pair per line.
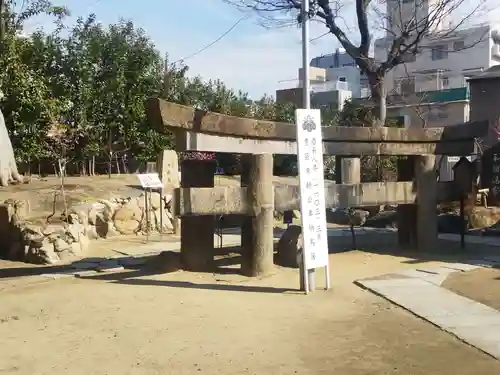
250, 58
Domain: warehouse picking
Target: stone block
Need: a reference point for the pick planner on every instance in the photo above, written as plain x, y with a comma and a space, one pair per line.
168, 168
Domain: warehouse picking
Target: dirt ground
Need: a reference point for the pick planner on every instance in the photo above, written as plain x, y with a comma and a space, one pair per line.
482, 285
140, 322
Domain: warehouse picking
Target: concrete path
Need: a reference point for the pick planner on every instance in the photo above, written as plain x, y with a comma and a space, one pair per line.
419, 292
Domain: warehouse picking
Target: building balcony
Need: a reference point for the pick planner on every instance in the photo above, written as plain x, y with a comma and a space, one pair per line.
329, 86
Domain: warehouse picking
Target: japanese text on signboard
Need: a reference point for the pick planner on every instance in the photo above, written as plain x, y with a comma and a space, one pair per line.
312, 193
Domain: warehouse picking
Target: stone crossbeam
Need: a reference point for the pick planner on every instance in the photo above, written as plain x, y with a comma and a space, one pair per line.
171, 116
225, 200
199, 130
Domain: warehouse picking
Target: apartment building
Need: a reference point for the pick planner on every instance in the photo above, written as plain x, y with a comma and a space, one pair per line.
341, 67
448, 56
444, 63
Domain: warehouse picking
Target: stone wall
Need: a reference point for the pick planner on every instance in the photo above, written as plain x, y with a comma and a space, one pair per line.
24, 240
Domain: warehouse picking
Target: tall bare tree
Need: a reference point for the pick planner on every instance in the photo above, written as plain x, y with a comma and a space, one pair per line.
409, 28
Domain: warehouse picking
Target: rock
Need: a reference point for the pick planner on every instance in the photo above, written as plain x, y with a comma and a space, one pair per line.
42, 255
482, 217
358, 217
76, 249
372, 210
127, 213
101, 226
146, 226
290, 247
32, 233
92, 216
60, 245
73, 218
79, 216
384, 219
91, 232
335, 216
108, 204
108, 209
162, 220
21, 209
67, 255
111, 232
53, 229
75, 231
155, 201
16, 251
127, 226
105, 229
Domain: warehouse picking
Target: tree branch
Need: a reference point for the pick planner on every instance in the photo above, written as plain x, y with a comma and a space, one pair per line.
361, 12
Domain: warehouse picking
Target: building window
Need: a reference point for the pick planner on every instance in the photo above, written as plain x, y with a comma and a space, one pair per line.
458, 45
445, 82
409, 57
440, 52
342, 79
405, 86
436, 114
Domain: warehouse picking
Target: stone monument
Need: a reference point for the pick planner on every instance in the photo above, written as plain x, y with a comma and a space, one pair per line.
8, 167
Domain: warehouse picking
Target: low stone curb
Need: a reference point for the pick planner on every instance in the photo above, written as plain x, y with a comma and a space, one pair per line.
419, 292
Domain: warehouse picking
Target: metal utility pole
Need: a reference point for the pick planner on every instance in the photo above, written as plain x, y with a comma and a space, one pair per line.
306, 104
306, 87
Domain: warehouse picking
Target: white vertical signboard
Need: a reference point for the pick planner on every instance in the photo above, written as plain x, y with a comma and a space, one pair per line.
312, 188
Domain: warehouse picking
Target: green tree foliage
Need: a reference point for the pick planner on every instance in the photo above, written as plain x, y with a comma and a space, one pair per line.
92, 81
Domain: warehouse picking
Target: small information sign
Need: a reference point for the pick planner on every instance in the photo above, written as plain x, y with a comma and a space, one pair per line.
150, 181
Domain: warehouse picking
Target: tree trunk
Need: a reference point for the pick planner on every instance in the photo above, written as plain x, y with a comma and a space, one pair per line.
62, 171
8, 167
379, 97
117, 162
110, 164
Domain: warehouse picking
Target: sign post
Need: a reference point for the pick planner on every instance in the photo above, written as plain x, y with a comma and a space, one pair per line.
464, 176
150, 181
312, 194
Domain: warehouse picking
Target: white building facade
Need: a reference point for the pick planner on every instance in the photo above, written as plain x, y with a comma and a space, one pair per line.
342, 72
447, 57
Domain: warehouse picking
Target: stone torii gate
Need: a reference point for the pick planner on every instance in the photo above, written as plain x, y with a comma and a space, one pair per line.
197, 200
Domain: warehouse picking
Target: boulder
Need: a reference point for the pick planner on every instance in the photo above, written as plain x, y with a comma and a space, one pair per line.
60, 245
16, 251
358, 217
384, 219
127, 226
372, 210
335, 216
128, 212
290, 247
91, 232
162, 220
105, 229
482, 217
155, 201
44, 254
75, 231
53, 229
